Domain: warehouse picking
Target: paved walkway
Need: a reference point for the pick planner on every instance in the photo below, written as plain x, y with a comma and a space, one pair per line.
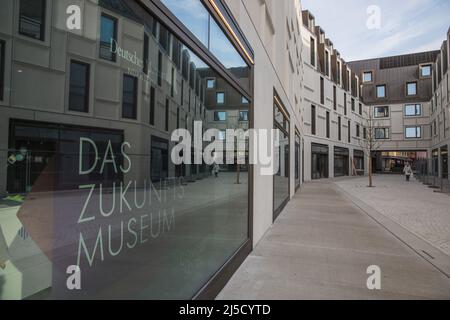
414, 206
320, 248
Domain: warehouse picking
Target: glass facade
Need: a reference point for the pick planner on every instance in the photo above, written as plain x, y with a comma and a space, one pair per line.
281, 192
319, 161
341, 162
93, 183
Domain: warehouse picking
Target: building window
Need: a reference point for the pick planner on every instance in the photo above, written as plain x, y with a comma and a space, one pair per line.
152, 106
108, 37
360, 109
339, 128
334, 98
178, 118
32, 19
220, 116
172, 82
381, 133
381, 91
349, 129
146, 48
338, 73
353, 105
244, 100
413, 132
425, 71
411, 88
434, 128
357, 130
368, 76
345, 104
322, 93
220, 97
79, 86
167, 114
312, 44
364, 133
210, 83
313, 120
2, 68
159, 68
381, 112
327, 63
129, 99
243, 115
413, 110
328, 124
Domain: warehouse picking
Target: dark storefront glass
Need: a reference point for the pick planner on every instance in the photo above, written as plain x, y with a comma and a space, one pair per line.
297, 160
358, 156
341, 162
101, 191
281, 178
444, 162
319, 161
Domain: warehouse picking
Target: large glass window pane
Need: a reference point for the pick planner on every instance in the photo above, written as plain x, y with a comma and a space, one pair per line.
32, 18
193, 15
103, 192
108, 37
281, 156
79, 87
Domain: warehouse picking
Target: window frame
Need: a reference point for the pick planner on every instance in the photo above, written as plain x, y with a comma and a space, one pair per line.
43, 22
386, 133
415, 109
87, 85
416, 89
213, 82
385, 91
217, 118
217, 97
135, 95
382, 117
418, 129
371, 76
116, 31
425, 65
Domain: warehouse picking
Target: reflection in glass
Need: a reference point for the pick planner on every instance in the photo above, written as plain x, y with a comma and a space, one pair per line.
103, 193
281, 178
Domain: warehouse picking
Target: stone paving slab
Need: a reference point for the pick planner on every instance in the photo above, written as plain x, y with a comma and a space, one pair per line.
414, 206
320, 248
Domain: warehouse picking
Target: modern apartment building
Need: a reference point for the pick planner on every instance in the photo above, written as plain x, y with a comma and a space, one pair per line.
333, 112
87, 115
408, 100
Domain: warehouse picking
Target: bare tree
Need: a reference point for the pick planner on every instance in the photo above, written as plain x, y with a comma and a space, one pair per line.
369, 143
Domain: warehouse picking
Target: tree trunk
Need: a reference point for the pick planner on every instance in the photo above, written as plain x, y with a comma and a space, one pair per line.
370, 172
238, 174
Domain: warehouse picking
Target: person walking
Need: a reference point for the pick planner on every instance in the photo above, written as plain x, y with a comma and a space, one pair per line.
407, 170
216, 170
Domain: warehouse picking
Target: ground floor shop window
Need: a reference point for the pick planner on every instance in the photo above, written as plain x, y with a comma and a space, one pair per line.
319, 161
281, 179
444, 162
341, 162
297, 160
358, 159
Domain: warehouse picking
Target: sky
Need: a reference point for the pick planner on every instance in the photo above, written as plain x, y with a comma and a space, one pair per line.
405, 26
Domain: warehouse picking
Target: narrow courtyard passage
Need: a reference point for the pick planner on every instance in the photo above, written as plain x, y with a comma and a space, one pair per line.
321, 247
